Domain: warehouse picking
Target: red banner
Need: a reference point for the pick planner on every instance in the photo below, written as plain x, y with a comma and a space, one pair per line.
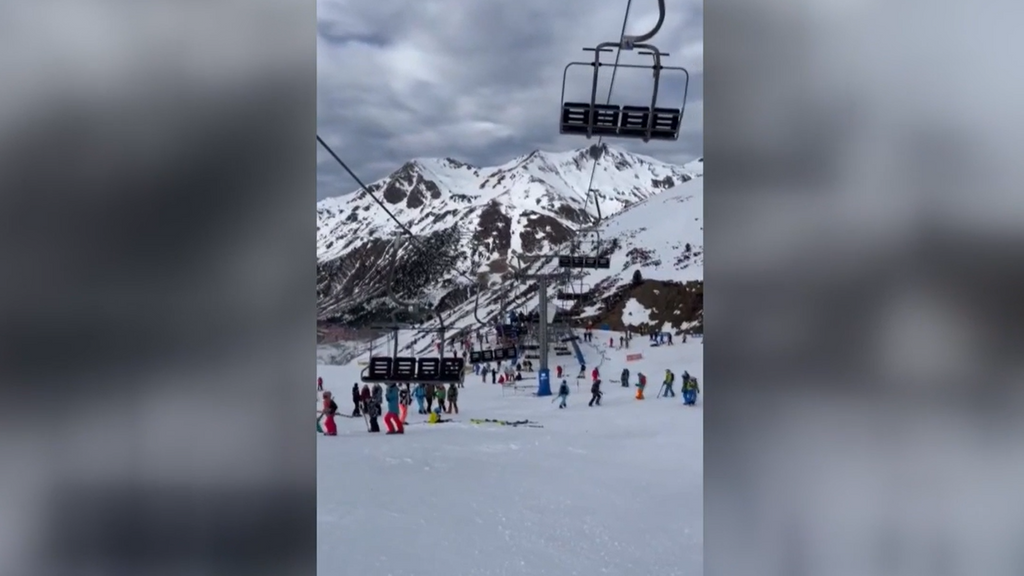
634, 357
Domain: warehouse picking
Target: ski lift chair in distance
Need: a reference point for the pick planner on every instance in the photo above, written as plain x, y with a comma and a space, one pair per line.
627, 121
594, 261
573, 294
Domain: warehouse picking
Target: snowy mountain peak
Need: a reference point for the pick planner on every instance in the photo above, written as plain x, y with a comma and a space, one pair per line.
483, 215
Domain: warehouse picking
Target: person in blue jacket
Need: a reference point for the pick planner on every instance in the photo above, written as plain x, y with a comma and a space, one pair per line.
420, 395
391, 419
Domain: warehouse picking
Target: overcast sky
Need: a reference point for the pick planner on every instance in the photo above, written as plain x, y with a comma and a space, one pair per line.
480, 80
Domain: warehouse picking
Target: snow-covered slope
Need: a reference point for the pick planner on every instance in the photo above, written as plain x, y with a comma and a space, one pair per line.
615, 489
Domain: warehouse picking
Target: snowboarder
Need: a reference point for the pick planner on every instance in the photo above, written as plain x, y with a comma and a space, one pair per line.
690, 391
666, 386
640, 385
319, 384
625, 377
420, 394
453, 399
355, 400
595, 393
329, 410
563, 394
404, 400
391, 419
440, 392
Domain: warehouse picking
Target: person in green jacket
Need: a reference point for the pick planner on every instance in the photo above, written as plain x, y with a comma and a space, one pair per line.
439, 391
690, 391
666, 386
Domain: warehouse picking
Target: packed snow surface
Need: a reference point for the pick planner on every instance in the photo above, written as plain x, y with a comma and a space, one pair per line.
615, 489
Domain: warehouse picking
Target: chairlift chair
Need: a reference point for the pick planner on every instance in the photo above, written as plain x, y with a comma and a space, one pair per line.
624, 121
591, 261
573, 294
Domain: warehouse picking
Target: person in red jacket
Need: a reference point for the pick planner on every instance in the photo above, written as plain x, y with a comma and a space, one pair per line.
594, 375
329, 410
558, 371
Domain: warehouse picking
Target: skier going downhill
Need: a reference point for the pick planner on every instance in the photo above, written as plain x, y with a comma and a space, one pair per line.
595, 393
563, 394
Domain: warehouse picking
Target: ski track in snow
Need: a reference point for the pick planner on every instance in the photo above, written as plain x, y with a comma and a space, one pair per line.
615, 489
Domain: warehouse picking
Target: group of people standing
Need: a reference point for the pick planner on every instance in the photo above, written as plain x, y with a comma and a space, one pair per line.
369, 402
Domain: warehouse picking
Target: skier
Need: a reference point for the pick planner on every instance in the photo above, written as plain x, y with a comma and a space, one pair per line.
670, 380
391, 419
364, 398
355, 400
440, 391
594, 374
483, 374
404, 400
453, 399
429, 393
595, 393
378, 394
563, 393
371, 410
625, 377
583, 371
690, 391
558, 371
640, 385
319, 384
328, 412
420, 394
435, 417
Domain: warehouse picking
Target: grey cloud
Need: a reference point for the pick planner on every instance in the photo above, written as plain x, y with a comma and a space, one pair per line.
479, 81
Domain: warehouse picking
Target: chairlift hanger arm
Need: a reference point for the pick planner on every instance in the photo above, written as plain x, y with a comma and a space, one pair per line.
630, 42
